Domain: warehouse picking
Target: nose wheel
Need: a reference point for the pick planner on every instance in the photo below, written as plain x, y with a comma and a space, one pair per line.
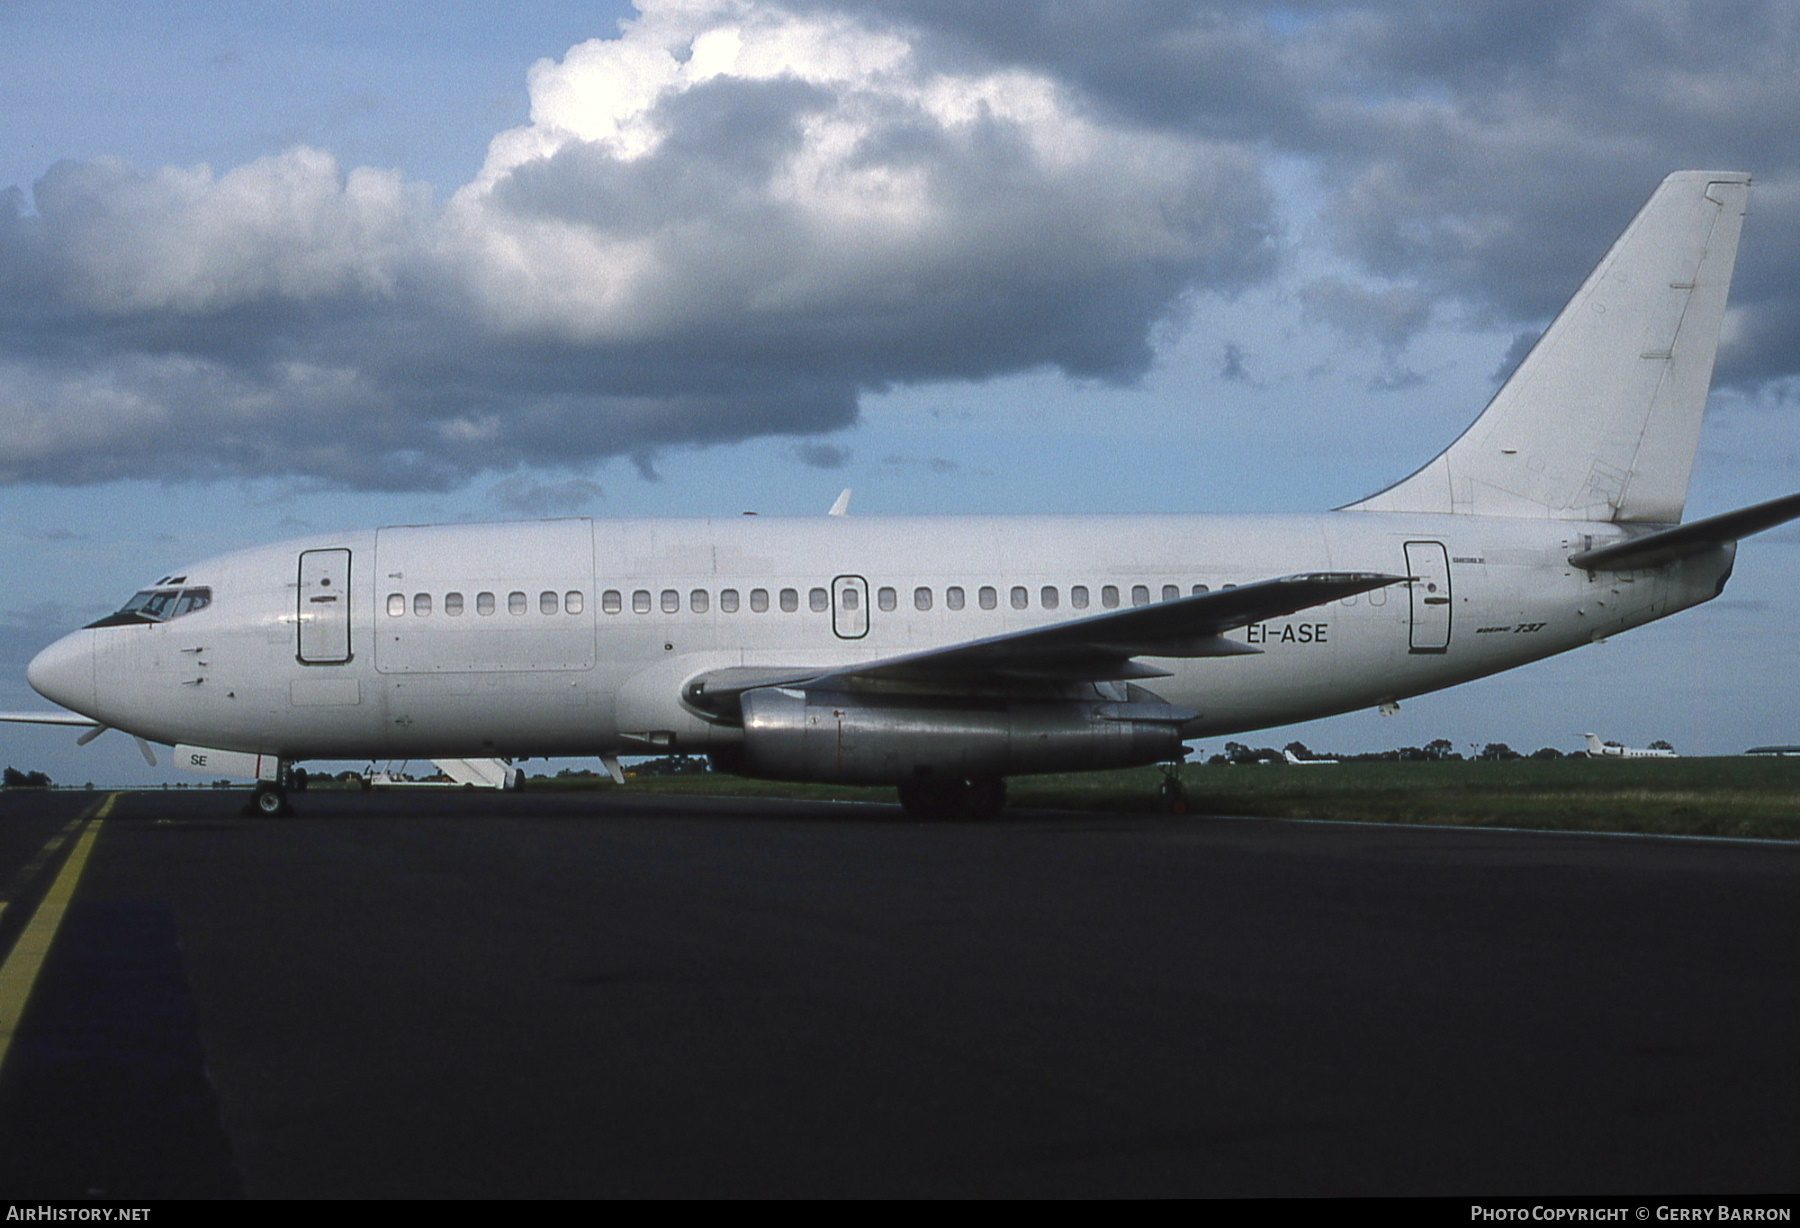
269, 802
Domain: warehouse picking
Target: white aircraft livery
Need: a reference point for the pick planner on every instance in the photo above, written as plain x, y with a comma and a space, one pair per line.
944, 654
1598, 749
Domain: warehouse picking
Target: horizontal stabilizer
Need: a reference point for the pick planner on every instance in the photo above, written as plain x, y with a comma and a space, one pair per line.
1655, 549
73, 719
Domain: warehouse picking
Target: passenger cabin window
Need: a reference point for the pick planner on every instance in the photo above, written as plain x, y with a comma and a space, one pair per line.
953, 597
921, 598
515, 603
671, 601
1048, 597
484, 603
728, 601
611, 601
1078, 597
396, 604
640, 601
1140, 594
1171, 592
987, 598
422, 605
790, 600
1019, 597
818, 600
886, 598
453, 604
573, 601
759, 601
1198, 589
699, 601
1109, 596
851, 601
546, 603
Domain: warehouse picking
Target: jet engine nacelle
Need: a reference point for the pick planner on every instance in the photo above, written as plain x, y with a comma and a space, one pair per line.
890, 739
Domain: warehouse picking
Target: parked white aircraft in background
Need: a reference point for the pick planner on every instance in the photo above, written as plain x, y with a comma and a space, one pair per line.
1597, 749
1297, 761
943, 654
457, 774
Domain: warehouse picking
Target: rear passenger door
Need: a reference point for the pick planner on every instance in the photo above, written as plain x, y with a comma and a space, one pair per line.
1428, 563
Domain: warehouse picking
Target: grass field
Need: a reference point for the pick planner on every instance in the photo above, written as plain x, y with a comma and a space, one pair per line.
1733, 796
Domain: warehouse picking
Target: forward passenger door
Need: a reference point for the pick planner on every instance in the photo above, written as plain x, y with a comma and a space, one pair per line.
323, 616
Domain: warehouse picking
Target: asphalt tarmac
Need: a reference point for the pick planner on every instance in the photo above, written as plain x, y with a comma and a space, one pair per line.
454, 995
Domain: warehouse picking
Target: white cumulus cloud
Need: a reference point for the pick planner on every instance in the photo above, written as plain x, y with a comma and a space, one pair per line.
729, 220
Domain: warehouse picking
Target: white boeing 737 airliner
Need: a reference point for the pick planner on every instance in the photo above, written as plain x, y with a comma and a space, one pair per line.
943, 654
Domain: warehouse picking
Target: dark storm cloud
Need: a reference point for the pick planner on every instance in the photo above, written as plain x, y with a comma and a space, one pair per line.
723, 224
822, 455
1233, 369
525, 494
1487, 153
1386, 318
733, 221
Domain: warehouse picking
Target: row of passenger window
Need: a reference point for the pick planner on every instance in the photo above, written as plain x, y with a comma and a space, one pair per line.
818, 600
699, 601
548, 602
955, 597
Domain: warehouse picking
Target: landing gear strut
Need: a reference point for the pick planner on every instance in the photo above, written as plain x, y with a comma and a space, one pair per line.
271, 797
941, 800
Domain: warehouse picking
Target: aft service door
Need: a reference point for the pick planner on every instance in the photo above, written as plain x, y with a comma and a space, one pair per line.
1428, 563
324, 607
850, 607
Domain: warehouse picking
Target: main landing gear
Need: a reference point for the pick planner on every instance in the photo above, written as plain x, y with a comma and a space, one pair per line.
270, 800
941, 800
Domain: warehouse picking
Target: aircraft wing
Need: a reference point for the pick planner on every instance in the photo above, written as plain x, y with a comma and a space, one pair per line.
1099, 648
1667, 545
49, 718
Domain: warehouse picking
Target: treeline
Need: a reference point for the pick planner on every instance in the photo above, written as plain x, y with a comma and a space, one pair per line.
15, 779
668, 765
1436, 751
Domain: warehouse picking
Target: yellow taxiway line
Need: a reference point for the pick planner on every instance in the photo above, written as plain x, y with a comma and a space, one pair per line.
20, 972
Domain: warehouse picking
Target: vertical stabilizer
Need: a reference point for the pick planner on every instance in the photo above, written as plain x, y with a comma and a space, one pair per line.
1602, 419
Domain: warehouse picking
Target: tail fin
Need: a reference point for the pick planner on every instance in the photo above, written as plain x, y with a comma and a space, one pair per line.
1602, 419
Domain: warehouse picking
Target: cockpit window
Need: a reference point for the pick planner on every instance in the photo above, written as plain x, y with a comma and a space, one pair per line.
157, 605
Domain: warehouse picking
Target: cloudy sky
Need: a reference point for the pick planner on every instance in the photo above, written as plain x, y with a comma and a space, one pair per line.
266, 269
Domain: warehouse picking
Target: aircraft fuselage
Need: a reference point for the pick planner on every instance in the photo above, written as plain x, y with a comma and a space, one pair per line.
575, 637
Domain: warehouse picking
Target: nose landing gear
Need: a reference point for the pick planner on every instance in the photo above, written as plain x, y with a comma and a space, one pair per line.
270, 800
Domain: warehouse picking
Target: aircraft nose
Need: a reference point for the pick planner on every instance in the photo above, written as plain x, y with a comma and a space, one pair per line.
64, 672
